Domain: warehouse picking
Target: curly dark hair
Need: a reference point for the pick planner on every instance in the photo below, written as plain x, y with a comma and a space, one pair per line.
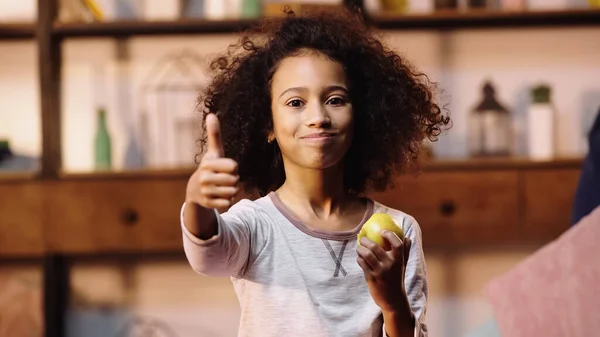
393, 105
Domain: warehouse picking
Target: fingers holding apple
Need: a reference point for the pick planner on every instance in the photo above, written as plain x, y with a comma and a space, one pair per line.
400, 247
382, 255
375, 260
372, 258
381, 244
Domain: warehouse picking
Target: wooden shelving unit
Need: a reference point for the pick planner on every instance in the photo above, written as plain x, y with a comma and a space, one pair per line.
461, 203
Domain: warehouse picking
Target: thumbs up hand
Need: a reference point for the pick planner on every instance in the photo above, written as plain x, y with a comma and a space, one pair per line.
215, 143
214, 183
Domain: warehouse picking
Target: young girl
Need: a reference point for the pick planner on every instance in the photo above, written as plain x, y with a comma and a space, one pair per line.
311, 111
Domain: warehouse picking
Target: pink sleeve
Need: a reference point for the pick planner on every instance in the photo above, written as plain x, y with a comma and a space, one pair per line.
225, 254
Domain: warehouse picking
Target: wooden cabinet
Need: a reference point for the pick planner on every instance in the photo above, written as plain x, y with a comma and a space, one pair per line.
498, 203
115, 215
548, 200
462, 205
21, 219
459, 208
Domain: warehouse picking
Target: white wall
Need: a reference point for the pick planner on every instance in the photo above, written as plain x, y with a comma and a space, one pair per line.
19, 97
22, 10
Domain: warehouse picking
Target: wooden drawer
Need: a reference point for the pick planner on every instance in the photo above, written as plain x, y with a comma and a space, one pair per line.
549, 196
91, 216
21, 221
459, 207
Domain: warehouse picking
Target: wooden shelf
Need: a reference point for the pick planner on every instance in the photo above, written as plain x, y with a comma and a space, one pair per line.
500, 164
184, 173
8, 177
176, 173
17, 31
487, 19
438, 20
150, 28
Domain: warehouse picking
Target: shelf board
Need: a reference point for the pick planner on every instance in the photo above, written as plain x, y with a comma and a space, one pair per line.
427, 166
27, 259
176, 173
431, 165
17, 176
487, 19
17, 31
437, 21
150, 28
501, 164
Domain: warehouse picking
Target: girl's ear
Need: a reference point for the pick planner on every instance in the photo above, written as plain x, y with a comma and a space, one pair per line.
270, 137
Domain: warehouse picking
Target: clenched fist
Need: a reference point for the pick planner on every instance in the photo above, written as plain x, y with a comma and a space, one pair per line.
214, 183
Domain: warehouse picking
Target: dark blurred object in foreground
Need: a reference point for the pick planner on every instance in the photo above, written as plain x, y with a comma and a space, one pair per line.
587, 196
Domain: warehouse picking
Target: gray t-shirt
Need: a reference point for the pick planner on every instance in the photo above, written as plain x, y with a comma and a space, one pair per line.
295, 281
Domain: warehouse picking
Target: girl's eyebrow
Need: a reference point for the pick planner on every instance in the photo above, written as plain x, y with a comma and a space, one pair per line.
292, 89
328, 89
336, 87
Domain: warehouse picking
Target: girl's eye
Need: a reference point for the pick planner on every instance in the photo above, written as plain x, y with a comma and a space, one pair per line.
336, 101
295, 103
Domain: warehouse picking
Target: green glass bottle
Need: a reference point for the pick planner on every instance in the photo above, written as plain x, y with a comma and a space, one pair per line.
102, 144
251, 9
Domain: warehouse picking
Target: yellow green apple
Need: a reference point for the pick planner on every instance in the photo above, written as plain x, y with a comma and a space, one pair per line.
377, 223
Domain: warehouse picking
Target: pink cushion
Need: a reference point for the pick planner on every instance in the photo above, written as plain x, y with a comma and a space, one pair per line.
556, 291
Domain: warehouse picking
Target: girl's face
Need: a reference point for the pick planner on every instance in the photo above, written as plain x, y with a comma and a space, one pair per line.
312, 114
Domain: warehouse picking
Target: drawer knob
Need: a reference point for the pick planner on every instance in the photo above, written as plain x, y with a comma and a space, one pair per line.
447, 208
129, 217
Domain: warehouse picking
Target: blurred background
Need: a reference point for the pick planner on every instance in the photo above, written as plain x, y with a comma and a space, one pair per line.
98, 124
